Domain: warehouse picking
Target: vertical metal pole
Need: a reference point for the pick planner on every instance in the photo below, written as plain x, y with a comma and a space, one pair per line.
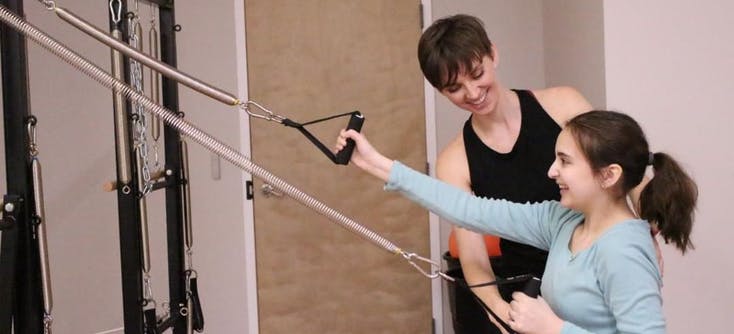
174, 208
129, 221
20, 292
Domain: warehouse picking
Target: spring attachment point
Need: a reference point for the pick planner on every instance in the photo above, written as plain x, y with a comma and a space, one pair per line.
47, 321
116, 13
261, 112
412, 258
32, 121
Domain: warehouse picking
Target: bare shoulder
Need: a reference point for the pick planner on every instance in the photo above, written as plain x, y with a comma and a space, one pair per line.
562, 102
452, 165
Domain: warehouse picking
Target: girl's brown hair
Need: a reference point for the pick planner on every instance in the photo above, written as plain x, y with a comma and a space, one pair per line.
669, 199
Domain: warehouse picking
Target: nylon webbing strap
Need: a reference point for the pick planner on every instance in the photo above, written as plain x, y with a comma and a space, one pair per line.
532, 288
323, 148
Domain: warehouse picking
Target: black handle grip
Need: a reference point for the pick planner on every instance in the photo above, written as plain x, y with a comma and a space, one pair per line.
355, 123
532, 287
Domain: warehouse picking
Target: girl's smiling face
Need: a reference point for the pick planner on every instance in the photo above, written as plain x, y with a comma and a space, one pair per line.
572, 172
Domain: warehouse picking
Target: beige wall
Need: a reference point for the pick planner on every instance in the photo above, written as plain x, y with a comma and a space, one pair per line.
670, 64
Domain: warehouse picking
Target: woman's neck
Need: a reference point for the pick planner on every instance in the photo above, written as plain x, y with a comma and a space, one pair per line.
500, 126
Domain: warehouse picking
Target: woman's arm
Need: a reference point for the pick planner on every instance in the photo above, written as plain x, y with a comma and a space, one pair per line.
452, 167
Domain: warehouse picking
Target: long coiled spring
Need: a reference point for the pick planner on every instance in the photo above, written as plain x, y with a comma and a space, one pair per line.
199, 136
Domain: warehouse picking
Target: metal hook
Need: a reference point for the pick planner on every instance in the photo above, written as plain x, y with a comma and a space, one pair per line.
266, 114
410, 257
32, 136
116, 14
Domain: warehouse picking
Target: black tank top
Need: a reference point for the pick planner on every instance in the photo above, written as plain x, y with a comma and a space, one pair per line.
518, 176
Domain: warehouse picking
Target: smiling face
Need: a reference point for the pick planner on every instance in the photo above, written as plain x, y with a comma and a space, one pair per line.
578, 183
474, 89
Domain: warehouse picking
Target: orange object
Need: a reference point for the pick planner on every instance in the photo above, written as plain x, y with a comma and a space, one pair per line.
490, 241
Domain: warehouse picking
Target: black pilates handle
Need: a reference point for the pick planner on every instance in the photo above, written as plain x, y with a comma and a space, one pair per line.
532, 287
355, 123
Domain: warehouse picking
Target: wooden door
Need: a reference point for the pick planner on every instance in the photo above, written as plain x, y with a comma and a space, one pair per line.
311, 59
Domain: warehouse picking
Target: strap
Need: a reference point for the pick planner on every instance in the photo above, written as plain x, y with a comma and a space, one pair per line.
196, 313
151, 325
355, 122
532, 288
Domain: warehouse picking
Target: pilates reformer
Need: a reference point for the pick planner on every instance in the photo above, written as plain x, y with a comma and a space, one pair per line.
174, 121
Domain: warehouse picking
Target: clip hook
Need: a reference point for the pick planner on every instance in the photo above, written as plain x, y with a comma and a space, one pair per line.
32, 135
410, 257
266, 114
116, 14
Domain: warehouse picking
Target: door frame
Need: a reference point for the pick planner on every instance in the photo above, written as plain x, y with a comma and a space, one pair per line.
251, 318
248, 212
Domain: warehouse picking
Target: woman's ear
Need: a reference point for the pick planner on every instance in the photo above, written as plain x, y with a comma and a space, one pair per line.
610, 175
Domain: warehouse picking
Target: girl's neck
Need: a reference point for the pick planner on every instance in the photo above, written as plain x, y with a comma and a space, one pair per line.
606, 214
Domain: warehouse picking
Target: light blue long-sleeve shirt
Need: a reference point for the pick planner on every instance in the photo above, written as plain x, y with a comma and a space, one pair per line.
611, 287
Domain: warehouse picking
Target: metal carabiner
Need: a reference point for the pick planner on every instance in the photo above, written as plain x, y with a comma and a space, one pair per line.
32, 136
410, 257
116, 14
266, 114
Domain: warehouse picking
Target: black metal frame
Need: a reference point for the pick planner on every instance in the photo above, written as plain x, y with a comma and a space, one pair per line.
128, 205
131, 255
174, 194
20, 278
21, 309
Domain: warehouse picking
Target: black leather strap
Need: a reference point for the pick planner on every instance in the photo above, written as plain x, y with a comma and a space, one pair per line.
196, 313
324, 149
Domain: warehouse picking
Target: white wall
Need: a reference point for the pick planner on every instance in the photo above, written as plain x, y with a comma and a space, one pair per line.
573, 36
670, 64
77, 152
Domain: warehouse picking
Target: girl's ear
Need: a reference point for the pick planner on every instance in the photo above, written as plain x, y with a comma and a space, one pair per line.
610, 175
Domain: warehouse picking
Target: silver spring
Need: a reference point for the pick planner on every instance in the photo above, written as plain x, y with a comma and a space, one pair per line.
223, 150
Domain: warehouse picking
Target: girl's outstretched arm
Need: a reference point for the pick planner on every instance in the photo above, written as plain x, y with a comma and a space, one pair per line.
365, 156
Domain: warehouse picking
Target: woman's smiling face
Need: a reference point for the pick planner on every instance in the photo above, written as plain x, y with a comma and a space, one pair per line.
474, 90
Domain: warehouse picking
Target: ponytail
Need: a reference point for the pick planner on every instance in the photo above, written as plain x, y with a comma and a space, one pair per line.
669, 200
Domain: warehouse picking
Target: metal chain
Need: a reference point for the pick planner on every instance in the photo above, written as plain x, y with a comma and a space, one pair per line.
139, 119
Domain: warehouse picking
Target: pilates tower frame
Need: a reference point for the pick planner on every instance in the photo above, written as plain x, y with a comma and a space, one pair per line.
20, 282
